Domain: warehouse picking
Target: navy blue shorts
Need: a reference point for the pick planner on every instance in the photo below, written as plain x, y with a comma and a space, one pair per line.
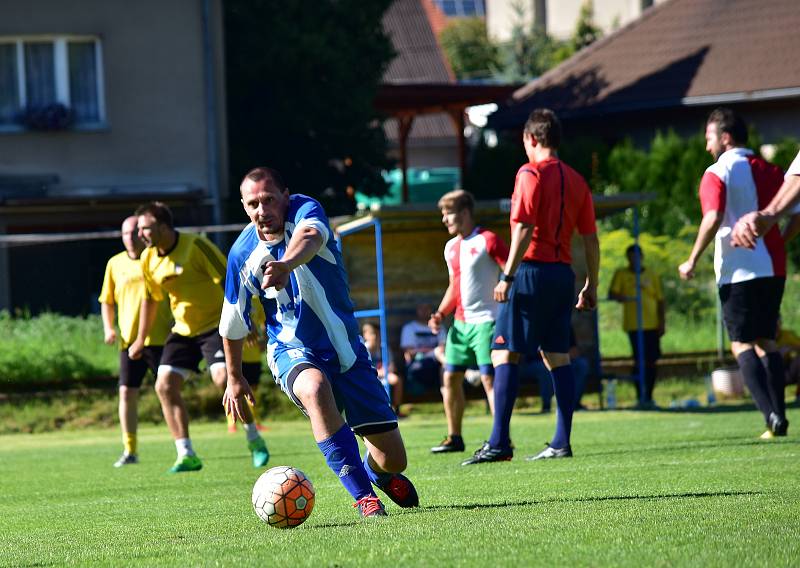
538, 311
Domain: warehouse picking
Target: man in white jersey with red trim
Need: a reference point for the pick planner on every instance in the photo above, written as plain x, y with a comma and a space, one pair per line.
474, 259
750, 281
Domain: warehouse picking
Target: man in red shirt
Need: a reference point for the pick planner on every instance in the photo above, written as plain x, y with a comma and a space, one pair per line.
537, 287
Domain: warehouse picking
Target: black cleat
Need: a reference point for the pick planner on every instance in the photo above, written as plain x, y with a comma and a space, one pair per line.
400, 490
778, 424
551, 453
487, 453
449, 444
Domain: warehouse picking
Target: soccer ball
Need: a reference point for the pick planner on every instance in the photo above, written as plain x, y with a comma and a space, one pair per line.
283, 497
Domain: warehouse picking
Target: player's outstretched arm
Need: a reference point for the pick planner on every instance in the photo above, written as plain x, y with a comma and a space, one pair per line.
756, 224
303, 246
238, 390
705, 234
587, 299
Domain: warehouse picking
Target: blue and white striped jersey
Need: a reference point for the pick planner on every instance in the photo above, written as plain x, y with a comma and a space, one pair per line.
313, 312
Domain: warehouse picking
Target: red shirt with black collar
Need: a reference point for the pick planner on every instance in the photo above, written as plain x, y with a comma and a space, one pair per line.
556, 200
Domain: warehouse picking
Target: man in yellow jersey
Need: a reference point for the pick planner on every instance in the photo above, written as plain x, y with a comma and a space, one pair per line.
120, 299
623, 290
252, 355
189, 269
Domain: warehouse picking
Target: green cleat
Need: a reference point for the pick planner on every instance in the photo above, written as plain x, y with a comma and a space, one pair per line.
258, 449
186, 463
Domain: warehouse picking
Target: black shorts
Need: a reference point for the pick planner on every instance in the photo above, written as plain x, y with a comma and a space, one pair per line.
132, 372
751, 309
252, 373
538, 311
187, 352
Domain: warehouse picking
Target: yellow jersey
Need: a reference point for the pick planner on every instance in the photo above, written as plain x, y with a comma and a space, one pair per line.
123, 287
191, 275
252, 353
624, 284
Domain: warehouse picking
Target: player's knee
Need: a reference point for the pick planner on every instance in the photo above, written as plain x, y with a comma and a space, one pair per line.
555, 360
503, 357
395, 462
164, 387
488, 381
311, 389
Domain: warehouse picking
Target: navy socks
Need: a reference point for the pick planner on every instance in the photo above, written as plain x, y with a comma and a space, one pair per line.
506, 387
755, 377
341, 454
564, 386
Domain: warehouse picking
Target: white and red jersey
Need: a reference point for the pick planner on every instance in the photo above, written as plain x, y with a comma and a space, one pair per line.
794, 168
738, 183
474, 264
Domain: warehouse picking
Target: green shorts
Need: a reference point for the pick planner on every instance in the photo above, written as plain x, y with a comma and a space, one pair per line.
469, 345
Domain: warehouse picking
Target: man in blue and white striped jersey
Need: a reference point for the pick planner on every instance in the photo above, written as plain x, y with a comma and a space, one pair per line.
287, 257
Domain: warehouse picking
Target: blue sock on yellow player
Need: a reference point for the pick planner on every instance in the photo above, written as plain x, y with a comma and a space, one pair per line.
341, 454
564, 386
506, 387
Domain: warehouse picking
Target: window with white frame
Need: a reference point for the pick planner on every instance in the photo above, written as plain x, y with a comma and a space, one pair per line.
40, 72
462, 8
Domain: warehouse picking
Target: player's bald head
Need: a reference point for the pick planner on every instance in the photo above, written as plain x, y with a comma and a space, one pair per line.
129, 224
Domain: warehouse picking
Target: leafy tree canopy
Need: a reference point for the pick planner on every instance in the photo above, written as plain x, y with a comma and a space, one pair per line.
301, 81
468, 49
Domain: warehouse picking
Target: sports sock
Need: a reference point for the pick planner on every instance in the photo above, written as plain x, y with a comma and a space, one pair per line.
776, 381
375, 477
231, 420
506, 387
251, 431
129, 443
755, 377
254, 410
341, 454
564, 385
184, 447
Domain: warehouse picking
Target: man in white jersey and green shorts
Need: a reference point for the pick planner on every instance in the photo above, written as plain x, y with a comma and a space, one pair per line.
474, 258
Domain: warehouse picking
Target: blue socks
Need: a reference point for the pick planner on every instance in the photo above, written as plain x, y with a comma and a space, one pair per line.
564, 385
506, 387
341, 454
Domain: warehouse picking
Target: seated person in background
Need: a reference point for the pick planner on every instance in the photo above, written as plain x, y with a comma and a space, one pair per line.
371, 334
534, 368
419, 343
788, 343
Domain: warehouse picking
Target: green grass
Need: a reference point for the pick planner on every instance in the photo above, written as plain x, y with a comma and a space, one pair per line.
656, 488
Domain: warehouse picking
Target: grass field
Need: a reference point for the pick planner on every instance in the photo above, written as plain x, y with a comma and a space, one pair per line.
654, 488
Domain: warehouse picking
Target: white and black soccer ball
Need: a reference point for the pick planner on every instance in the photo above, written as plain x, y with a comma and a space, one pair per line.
283, 497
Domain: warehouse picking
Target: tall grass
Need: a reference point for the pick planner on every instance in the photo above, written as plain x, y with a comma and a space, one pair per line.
51, 347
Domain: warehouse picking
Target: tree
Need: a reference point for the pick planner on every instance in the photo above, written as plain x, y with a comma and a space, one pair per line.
468, 48
586, 32
529, 52
300, 86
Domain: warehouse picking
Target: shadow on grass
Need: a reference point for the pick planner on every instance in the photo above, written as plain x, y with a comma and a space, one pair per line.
534, 502
599, 498
691, 445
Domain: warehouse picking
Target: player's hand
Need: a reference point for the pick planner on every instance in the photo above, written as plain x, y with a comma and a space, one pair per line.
501, 291
136, 349
587, 299
237, 393
276, 275
110, 336
749, 227
435, 322
686, 270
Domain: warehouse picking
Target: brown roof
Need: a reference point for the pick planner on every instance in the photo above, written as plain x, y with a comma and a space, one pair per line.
419, 59
681, 52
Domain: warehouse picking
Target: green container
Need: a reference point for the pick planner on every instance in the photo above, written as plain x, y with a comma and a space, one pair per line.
425, 185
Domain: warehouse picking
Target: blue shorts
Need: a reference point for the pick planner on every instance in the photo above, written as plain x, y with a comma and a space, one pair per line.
359, 393
538, 311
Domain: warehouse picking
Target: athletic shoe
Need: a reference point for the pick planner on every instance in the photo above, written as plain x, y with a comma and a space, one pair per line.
449, 444
768, 435
778, 424
551, 453
258, 449
126, 459
399, 489
487, 453
370, 507
186, 463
